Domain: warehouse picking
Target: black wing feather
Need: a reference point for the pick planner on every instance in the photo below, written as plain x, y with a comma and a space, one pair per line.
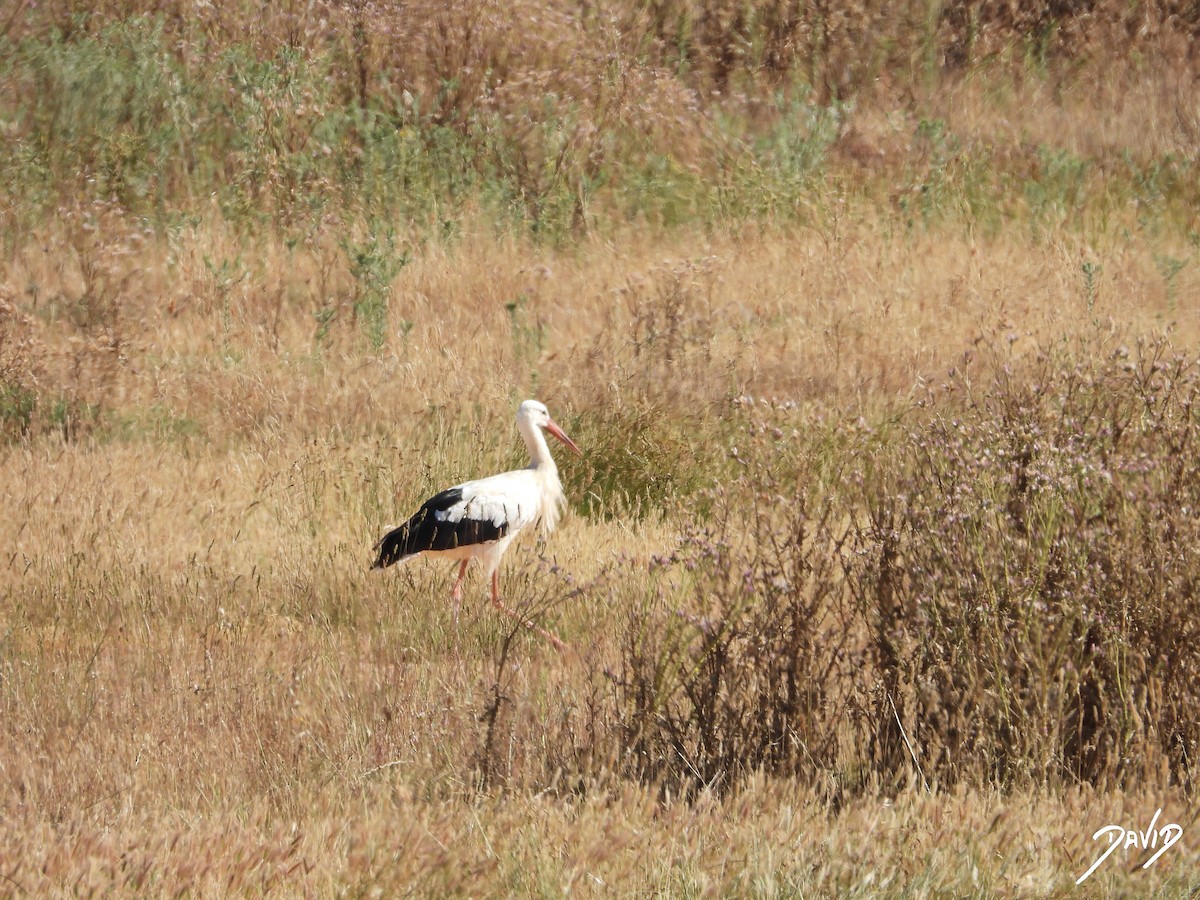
425, 531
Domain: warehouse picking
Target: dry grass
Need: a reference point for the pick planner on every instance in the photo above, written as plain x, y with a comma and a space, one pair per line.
256, 303
821, 315
366, 834
204, 688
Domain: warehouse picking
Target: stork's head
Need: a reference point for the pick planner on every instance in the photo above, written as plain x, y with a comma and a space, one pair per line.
534, 413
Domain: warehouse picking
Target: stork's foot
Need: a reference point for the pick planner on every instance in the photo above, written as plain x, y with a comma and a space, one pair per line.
559, 644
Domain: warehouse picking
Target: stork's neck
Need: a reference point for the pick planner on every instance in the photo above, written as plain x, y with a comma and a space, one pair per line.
539, 451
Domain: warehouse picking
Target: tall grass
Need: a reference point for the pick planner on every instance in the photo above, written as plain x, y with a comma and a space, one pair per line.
428, 113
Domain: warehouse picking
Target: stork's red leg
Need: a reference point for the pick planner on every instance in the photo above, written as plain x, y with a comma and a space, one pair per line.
558, 643
456, 594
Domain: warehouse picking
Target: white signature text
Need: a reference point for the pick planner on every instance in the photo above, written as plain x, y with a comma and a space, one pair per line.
1139, 840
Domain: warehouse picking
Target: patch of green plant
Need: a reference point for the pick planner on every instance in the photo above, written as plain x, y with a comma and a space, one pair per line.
1091, 274
1169, 268
324, 317
639, 458
17, 407
774, 171
416, 168
375, 262
528, 338
1057, 192
661, 191
540, 178
100, 114
72, 418
924, 199
154, 423
794, 149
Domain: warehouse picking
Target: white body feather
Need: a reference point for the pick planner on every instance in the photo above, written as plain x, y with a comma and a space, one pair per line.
520, 498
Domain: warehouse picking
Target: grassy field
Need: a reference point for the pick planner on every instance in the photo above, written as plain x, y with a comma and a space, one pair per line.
879, 330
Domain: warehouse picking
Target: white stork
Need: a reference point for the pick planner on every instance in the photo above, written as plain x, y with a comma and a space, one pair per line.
479, 519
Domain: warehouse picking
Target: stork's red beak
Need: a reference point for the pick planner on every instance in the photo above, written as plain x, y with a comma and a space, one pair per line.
553, 428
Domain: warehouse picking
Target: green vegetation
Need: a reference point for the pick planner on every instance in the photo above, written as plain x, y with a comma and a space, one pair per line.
670, 114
